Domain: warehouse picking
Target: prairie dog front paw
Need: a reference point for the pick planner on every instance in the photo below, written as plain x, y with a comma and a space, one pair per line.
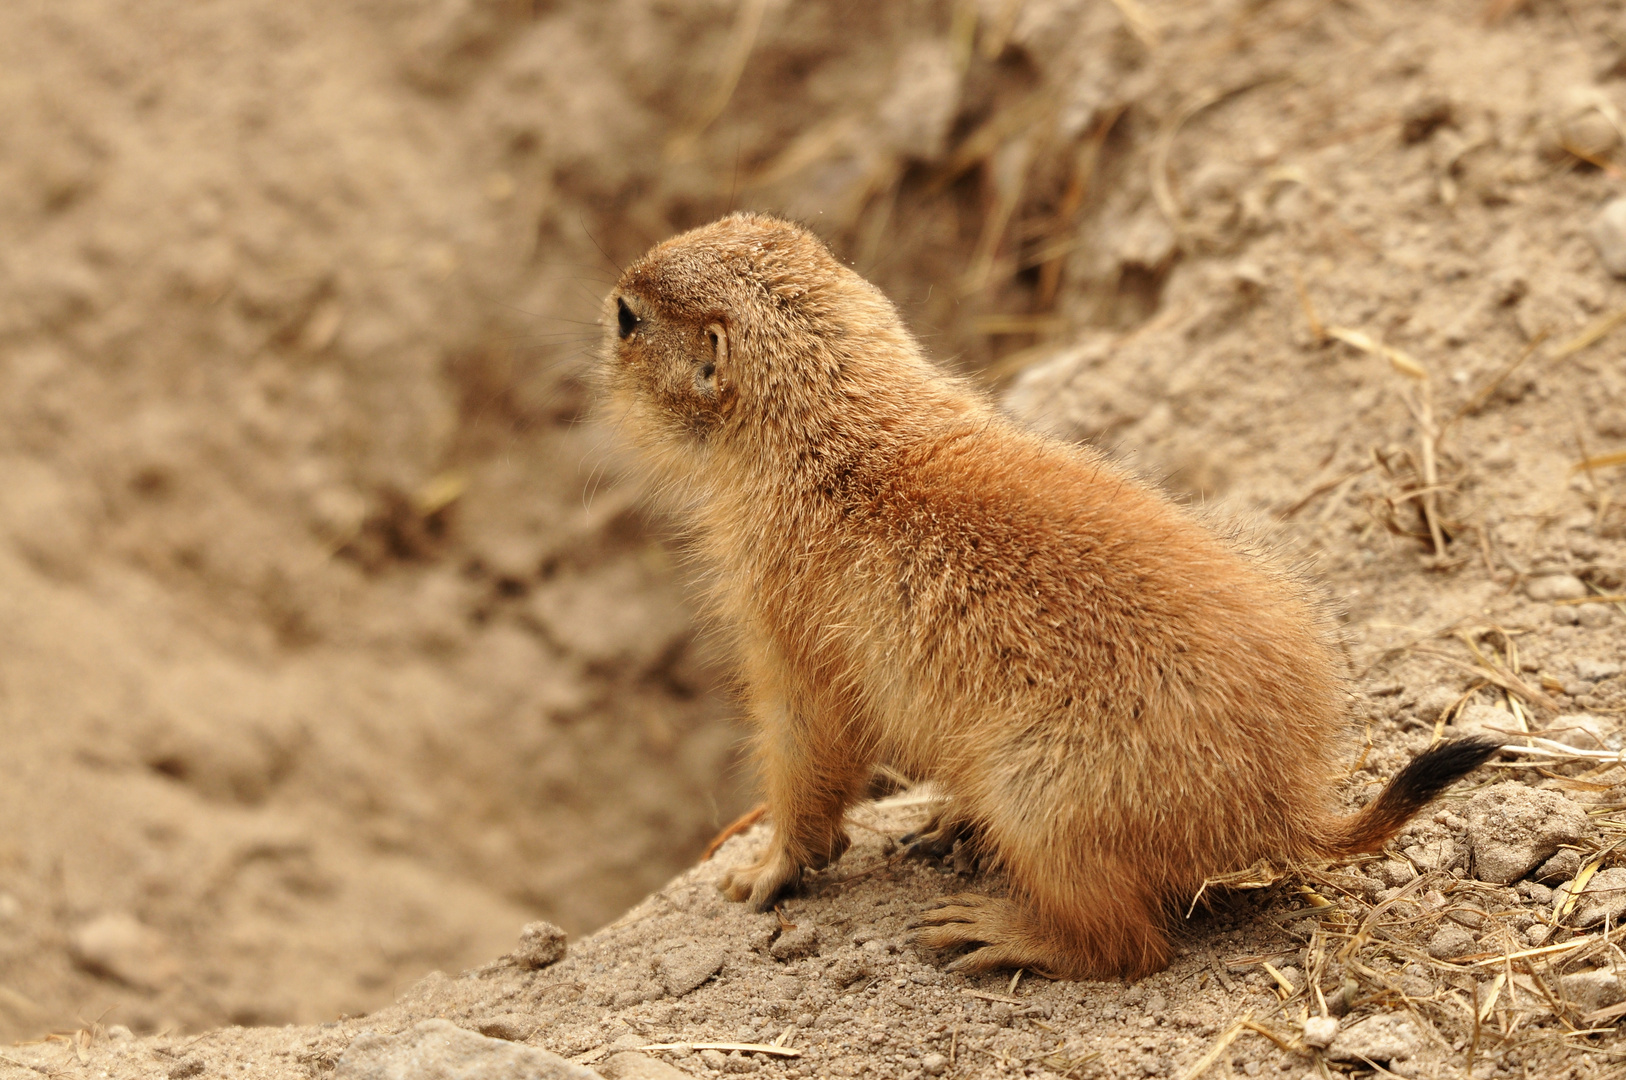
765, 881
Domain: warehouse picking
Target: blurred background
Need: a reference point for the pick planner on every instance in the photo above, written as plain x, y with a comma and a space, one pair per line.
333, 646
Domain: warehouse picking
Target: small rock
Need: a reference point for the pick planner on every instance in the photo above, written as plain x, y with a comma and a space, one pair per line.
1434, 855
119, 946
440, 1050
628, 1065
785, 987
1561, 867
540, 944
1592, 989
1395, 872
183, 1069
1513, 828
634, 996
846, 970
934, 1064
795, 944
1604, 897
1434, 701
1582, 730
1484, 720
1384, 1038
1608, 235
1319, 1031
714, 1059
1593, 616
1593, 670
1451, 941
1537, 933
1589, 135
1555, 586
1566, 615
511, 1027
686, 967
1468, 917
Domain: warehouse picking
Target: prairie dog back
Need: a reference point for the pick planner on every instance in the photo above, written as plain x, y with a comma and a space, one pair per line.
909, 577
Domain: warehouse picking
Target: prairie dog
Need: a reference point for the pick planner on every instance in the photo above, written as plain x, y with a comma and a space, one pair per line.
1119, 702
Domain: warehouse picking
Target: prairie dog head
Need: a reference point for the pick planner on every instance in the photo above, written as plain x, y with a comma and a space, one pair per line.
746, 334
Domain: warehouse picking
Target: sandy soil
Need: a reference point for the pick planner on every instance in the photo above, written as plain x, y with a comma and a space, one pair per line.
336, 650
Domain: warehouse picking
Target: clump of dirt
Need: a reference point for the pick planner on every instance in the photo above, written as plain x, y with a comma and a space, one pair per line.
338, 650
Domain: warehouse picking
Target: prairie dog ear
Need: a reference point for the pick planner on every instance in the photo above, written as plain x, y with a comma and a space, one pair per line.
712, 373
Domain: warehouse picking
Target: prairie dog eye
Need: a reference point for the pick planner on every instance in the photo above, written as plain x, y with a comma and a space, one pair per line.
626, 321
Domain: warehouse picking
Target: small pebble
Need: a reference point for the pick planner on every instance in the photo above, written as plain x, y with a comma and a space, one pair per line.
1589, 135
1484, 720
1603, 898
1594, 670
1451, 941
686, 967
795, 944
1608, 235
540, 944
1592, 989
1513, 828
633, 1066
1561, 867
1555, 587
1385, 1037
1585, 731
1319, 1031
514, 1027
934, 1064
1593, 616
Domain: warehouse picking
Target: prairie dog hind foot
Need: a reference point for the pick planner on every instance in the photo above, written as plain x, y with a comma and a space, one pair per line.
1123, 943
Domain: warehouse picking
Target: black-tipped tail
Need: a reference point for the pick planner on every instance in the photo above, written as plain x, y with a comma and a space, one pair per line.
1413, 788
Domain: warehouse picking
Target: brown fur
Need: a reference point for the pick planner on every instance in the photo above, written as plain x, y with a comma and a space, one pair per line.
1118, 701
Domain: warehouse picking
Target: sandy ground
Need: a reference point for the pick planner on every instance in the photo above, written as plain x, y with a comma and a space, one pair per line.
337, 650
